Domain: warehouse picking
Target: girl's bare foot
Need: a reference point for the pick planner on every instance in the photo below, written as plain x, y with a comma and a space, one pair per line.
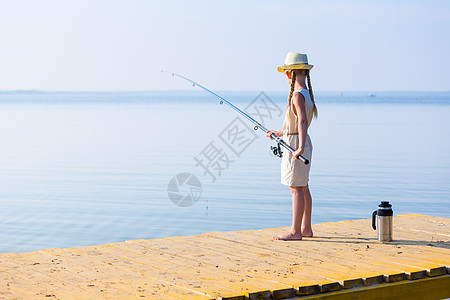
307, 232
289, 236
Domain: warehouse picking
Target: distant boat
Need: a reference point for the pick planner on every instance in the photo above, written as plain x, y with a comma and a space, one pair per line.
372, 95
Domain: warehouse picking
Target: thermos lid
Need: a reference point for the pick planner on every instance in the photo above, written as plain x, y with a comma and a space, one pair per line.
385, 205
385, 209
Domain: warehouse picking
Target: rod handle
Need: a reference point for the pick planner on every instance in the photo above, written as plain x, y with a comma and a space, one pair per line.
273, 136
304, 160
283, 143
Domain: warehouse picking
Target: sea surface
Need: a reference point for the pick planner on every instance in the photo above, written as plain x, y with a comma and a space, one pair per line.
88, 168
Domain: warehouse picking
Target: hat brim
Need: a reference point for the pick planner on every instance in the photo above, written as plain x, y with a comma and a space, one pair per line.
294, 67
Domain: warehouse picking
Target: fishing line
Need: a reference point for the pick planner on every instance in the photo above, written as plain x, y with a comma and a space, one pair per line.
276, 150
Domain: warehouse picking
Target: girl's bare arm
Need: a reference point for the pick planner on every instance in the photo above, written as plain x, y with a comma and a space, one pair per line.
300, 110
277, 133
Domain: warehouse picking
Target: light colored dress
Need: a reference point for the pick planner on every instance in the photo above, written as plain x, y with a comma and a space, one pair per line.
295, 172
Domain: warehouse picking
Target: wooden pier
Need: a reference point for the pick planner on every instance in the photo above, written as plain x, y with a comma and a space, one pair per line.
344, 260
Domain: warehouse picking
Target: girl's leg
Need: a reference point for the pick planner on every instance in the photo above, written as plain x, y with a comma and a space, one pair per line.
298, 207
306, 221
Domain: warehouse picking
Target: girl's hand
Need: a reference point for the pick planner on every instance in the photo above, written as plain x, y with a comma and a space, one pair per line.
298, 152
270, 132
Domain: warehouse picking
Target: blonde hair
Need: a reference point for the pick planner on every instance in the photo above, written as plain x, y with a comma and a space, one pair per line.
291, 93
293, 77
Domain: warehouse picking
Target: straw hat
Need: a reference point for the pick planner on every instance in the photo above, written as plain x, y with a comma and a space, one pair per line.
295, 60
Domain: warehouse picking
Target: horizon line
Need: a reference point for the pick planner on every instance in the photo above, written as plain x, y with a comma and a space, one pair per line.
194, 90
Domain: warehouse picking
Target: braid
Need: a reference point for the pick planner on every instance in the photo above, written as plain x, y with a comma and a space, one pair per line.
311, 94
292, 86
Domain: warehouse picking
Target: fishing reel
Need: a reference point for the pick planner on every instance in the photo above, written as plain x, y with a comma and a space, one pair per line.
276, 150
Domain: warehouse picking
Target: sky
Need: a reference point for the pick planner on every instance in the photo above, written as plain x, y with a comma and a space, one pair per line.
121, 45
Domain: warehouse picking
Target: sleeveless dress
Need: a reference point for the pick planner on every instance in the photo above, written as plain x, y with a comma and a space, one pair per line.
295, 172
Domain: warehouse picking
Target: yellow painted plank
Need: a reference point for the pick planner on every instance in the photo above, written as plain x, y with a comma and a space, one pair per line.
428, 288
12, 287
234, 264
85, 277
60, 278
440, 243
321, 251
180, 286
403, 230
431, 219
289, 258
239, 266
57, 286
260, 255
439, 230
196, 257
401, 239
366, 237
375, 249
425, 223
106, 274
7, 293
22, 284
358, 229
297, 271
312, 249
417, 227
400, 234
349, 229
345, 252
194, 268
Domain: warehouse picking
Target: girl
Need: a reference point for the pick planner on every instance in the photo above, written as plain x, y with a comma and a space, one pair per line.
294, 173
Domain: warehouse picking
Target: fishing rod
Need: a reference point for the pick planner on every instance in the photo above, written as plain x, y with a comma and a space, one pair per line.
276, 150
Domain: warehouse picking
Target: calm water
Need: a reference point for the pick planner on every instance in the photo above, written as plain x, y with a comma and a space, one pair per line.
92, 168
